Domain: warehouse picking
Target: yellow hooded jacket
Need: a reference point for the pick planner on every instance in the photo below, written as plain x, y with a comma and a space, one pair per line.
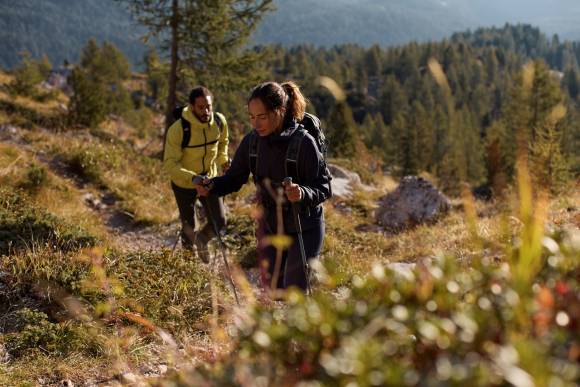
208, 148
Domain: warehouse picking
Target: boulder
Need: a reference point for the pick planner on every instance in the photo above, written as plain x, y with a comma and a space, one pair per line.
415, 201
344, 181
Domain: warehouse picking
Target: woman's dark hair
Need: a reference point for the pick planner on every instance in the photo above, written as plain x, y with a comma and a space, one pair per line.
199, 91
276, 97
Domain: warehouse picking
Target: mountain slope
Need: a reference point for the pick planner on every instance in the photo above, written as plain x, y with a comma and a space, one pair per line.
60, 28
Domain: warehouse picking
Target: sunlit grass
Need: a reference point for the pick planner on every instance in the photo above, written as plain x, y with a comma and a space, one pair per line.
51, 107
138, 181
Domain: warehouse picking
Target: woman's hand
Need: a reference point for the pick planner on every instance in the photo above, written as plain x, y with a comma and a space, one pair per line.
202, 185
293, 191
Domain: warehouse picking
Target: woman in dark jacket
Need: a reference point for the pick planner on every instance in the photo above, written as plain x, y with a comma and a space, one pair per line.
276, 111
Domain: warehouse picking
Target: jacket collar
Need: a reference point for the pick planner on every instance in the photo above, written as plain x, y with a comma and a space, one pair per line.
290, 127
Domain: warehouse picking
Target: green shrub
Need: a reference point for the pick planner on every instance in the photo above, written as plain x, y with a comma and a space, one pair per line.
437, 323
35, 176
142, 120
170, 289
91, 161
34, 330
23, 225
84, 163
29, 74
241, 240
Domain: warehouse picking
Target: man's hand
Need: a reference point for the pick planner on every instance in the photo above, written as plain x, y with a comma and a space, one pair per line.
293, 191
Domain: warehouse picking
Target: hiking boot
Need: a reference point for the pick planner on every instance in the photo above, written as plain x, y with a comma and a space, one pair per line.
201, 242
187, 237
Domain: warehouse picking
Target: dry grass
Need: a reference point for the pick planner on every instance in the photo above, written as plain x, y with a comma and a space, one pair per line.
57, 195
5, 78
139, 182
54, 106
4, 119
49, 370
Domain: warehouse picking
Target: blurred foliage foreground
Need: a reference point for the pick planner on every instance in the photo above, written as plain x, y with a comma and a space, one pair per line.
437, 323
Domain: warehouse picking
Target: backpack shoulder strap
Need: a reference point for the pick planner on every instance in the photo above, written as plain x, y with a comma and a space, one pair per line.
186, 126
254, 153
219, 121
292, 154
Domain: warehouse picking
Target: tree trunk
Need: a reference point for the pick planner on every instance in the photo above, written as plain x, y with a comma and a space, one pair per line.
171, 97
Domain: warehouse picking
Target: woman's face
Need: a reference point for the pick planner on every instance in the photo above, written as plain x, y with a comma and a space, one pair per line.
265, 122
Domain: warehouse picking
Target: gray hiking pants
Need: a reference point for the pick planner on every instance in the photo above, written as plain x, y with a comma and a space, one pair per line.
213, 206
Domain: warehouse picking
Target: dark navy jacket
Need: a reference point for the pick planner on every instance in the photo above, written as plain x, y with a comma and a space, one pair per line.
313, 179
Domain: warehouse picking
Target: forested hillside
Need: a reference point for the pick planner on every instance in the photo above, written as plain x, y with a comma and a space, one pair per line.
95, 288
60, 28
408, 119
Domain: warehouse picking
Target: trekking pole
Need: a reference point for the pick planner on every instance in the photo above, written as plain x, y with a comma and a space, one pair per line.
223, 250
288, 180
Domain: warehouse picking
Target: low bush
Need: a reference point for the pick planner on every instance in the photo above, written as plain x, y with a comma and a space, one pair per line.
434, 323
22, 225
34, 330
36, 177
173, 290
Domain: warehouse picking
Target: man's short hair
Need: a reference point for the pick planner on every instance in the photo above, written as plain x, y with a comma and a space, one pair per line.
199, 91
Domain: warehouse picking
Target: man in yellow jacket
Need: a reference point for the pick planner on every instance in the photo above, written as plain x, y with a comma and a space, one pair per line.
195, 145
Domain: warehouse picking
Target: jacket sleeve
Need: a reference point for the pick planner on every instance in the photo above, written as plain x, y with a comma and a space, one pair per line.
223, 141
172, 157
315, 182
238, 173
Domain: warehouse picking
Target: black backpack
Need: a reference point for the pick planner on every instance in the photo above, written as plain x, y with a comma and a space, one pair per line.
312, 126
186, 125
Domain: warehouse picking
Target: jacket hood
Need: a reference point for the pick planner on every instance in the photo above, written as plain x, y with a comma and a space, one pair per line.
285, 134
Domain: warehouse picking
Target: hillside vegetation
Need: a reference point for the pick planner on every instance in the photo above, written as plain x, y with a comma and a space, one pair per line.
94, 288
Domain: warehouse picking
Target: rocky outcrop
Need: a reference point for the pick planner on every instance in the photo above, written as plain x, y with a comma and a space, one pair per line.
415, 201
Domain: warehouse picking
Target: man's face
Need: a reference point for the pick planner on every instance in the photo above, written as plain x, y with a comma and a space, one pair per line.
202, 108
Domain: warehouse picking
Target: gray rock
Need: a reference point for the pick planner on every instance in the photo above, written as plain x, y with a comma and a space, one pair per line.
345, 181
341, 173
415, 201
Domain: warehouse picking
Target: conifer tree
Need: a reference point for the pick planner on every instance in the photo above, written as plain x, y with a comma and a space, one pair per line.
156, 76
392, 100
452, 169
549, 165
87, 105
422, 126
530, 120
29, 73
97, 84
398, 129
572, 82
342, 135
204, 39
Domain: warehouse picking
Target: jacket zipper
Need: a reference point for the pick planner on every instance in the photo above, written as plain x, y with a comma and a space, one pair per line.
204, 150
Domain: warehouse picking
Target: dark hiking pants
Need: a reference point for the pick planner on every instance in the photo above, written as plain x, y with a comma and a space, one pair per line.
213, 206
292, 269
